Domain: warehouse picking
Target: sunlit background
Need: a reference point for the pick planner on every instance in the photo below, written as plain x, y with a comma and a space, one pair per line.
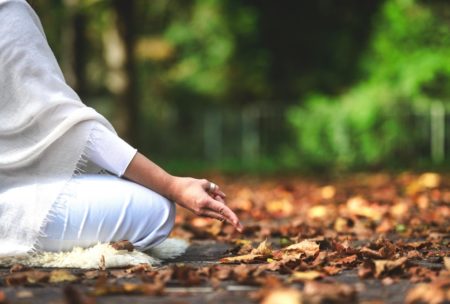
262, 86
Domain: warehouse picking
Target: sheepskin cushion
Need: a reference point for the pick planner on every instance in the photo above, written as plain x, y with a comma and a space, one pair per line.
100, 256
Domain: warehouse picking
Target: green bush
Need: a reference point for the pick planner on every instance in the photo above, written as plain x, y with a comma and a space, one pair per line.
406, 68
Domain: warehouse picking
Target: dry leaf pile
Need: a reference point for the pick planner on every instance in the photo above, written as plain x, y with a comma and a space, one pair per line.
299, 235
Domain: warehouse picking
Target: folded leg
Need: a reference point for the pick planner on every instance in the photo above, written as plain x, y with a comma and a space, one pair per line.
104, 208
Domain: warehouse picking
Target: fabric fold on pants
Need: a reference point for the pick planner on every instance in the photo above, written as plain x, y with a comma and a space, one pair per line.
105, 208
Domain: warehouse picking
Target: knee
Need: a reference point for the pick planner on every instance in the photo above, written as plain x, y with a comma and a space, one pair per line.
169, 218
166, 221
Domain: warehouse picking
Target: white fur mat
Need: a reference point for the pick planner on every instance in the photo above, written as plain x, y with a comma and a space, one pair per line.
100, 256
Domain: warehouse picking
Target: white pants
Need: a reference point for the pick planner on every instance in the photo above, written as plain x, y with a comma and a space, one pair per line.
104, 208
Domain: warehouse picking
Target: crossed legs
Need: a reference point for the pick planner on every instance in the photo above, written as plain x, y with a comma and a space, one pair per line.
104, 208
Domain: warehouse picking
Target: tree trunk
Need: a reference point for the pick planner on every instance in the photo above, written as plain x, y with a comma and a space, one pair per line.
127, 104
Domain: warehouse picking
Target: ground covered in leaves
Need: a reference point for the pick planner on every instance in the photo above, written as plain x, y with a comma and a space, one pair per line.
377, 238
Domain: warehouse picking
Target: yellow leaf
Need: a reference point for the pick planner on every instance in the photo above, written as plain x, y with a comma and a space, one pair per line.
246, 258
318, 212
263, 248
307, 247
57, 276
328, 192
430, 180
283, 206
284, 296
305, 276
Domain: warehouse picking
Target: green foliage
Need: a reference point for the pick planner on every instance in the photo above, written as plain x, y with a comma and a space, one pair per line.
205, 45
407, 67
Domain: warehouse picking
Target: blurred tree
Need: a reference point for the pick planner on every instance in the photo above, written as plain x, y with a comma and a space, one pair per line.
407, 69
124, 65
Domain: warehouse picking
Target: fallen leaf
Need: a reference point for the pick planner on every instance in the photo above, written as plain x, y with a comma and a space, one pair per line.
385, 266
307, 247
283, 296
332, 270
361, 207
281, 207
246, 258
27, 277
366, 269
122, 245
128, 288
319, 212
315, 292
328, 192
437, 292
263, 248
139, 268
18, 268
346, 261
429, 180
58, 276
186, 275
23, 294
259, 254
301, 276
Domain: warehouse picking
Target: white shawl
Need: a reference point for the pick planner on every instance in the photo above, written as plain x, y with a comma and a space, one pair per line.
44, 128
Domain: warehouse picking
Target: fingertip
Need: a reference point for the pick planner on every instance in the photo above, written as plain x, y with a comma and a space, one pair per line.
239, 227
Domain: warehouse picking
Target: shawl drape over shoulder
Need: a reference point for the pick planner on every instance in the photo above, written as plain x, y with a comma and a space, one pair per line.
44, 128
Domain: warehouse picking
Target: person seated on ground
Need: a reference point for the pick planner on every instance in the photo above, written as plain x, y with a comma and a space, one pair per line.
66, 178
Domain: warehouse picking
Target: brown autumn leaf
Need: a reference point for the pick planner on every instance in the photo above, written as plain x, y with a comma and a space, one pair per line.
307, 247
346, 261
222, 272
264, 248
384, 267
316, 292
371, 253
139, 268
18, 268
437, 292
94, 274
414, 254
122, 245
381, 249
361, 207
107, 288
186, 275
27, 277
366, 269
261, 253
421, 274
331, 270
246, 258
415, 245
344, 248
